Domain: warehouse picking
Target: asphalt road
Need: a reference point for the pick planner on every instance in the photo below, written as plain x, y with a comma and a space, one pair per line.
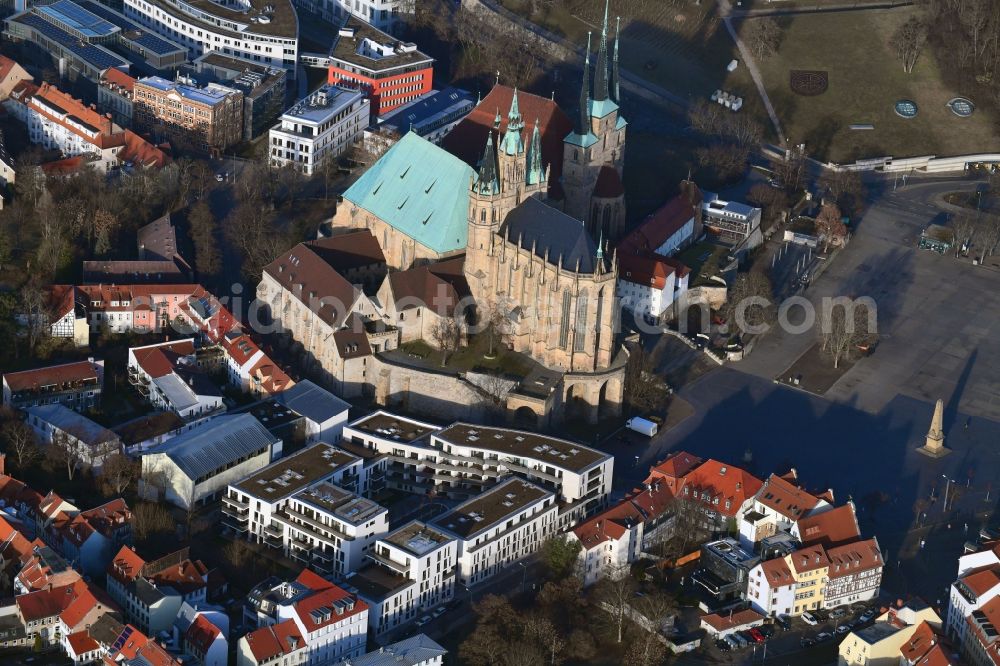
936, 313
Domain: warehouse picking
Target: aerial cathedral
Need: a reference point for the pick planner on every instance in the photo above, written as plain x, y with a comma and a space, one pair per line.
539, 265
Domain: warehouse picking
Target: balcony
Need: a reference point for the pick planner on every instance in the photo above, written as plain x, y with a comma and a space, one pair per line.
232, 501
403, 569
273, 531
235, 526
304, 523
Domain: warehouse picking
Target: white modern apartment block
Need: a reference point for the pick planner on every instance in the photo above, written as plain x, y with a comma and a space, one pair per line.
386, 15
250, 504
192, 468
330, 528
977, 583
731, 222
413, 571
500, 527
264, 31
463, 459
166, 374
320, 127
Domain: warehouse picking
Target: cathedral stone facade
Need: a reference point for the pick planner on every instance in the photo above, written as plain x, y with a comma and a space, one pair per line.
535, 243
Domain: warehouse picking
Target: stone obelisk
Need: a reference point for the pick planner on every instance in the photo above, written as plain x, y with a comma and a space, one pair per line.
934, 445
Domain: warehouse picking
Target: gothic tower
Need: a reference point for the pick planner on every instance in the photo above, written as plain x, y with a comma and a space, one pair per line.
593, 151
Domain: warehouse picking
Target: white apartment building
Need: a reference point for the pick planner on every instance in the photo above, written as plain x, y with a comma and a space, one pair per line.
386, 15
412, 572
731, 222
264, 31
771, 588
330, 528
249, 505
499, 527
166, 374
978, 582
331, 622
463, 459
320, 127
193, 467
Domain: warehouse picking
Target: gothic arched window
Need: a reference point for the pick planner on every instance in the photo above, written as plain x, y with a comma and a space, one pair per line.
564, 321
580, 326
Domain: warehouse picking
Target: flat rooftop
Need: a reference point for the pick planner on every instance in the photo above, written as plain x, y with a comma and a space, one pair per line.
363, 45
343, 504
210, 95
270, 412
417, 538
321, 104
287, 476
74, 17
281, 20
391, 426
549, 450
376, 583
491, 507
360, 451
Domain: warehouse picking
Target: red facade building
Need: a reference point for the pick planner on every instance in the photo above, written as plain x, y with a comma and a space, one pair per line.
390, 72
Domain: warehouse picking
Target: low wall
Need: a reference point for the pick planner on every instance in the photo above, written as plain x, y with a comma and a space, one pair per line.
437, 394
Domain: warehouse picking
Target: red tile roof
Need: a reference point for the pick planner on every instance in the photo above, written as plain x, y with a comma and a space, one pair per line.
201, 634
127, 565
31, 380
833, 527
108, 517
467, 139
120, 78
714, 480
310, 279
852, 558
991, 611
52, 602
325, 599
723, 622
159, 360
673, 469
356, 249
438, 287
658, 227
6, 65
786, 498
982, 580
650, 270
313, 580
924, 647
777, 573
272, 641
186, 576
81, 642
269, 377
808, 559
108, 135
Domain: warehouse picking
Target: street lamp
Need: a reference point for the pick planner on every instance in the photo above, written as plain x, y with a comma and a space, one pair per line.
469, 590
524, 574
947, 486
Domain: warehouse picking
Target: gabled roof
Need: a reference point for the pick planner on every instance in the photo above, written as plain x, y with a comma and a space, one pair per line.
310, 278
126, 566
275, 640
439, 286
924, 647
724, 482
28, 380
649, 270
833, 527
347, 251
672, 469
777, 573
81, 642
118, 77
982, 580
551, 233
808, 558
159, 360
660, 225
315, 403
420, 190
321, 609
413, 651
787, 499
201, 634
724, 621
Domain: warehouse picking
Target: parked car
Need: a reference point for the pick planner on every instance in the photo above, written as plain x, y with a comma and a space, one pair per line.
733, 643
723, 645
740, 641
439, 611
823, 636
784, 622
807, 642
837, 613
810, 619
867, 615
767, 630
756, 635
220, 177
842, 629
424, 620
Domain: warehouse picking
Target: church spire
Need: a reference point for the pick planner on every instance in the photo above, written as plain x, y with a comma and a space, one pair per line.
616, 96
513, 143
584, 119
488, 181
601, 75
535, 171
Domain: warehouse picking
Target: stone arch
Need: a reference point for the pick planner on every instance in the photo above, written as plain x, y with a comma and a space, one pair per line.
610, 397
526, 417
575, 401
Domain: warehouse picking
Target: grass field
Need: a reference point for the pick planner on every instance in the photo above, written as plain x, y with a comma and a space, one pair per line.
866, 79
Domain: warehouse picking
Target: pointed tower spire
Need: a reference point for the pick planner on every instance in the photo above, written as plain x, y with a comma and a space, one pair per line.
488, 181
601, 75
600, 247
535, 171
513, 143
584, 119
616, 95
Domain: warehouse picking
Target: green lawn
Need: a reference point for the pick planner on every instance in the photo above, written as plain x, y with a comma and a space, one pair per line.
866, 79
473, 358
703, 259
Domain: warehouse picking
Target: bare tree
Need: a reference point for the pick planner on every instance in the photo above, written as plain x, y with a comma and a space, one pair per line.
19, 442
614, 593
908, 41
34, 306
964, 228
846, 324
763, 36
644, 390
774, 202
845, 188
447, 334
988, 234
119, 472
547, 634
830, 225
496, 325
791, 171
65, 452
749, 303
150, 520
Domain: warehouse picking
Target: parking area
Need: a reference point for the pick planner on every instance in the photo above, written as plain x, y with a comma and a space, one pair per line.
808, 639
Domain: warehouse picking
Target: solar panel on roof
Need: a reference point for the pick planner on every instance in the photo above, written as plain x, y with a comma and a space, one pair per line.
89, 53
75, 17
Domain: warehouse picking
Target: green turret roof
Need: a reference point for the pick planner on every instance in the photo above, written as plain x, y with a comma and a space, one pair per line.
420, 189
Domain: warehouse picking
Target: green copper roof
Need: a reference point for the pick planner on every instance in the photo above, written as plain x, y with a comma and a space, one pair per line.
584, 141
420, 189
621, 123
601, 107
